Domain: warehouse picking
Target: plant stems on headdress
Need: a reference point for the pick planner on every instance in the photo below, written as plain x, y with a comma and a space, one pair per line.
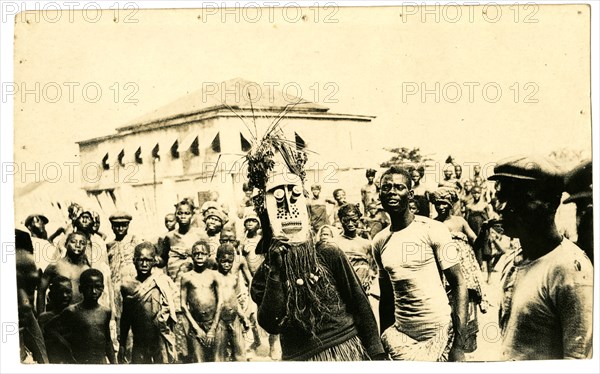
261, 158
309, 286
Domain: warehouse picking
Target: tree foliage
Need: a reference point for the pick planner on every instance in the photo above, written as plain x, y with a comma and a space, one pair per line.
405, 157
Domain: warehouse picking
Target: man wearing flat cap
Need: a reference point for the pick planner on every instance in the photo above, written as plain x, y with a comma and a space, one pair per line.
578, 183
120, 258
546, 312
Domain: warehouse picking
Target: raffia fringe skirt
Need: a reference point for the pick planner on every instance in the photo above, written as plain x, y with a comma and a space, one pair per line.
350, 350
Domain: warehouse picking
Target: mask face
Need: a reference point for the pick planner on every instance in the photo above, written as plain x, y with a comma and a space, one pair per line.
288, 214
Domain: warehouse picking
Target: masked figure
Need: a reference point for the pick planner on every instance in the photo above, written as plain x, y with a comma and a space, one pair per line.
310, 296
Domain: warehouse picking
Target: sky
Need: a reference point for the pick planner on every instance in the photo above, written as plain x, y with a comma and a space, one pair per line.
478, 83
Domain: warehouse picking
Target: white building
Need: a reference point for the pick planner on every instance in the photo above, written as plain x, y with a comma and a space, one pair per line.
197, 144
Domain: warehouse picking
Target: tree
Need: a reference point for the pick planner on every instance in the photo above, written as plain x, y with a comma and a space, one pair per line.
406, 157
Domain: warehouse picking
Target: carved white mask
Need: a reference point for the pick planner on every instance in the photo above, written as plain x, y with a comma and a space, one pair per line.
288, 214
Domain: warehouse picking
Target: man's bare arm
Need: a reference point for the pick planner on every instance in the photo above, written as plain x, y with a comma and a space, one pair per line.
43, 287
386, 302
468, 231
110, 352
245, 269
459, 309
210, 336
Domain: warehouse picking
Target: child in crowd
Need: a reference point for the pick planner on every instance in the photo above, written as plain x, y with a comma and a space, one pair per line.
251, 239
413, 206
170, 225
202, 302
369, 192
229, 332
245, 275
83, 328
60, 295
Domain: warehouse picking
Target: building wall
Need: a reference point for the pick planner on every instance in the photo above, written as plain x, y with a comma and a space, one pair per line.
190, 175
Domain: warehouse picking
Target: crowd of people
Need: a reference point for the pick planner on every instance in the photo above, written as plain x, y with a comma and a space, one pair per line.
401, 274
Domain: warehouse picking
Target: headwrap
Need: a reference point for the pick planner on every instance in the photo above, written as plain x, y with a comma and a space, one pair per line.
214, 211
445, 194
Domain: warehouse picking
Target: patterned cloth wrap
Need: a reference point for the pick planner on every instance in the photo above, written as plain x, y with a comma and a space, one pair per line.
402, 347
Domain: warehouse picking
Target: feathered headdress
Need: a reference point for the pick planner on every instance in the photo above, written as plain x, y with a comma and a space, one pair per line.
272, 154
271, 160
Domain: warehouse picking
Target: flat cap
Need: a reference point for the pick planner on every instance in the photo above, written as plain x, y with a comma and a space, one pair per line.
532, 168
119, 217
30, 218
578, 182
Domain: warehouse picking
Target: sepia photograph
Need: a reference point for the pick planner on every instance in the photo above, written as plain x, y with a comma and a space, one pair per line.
228, 185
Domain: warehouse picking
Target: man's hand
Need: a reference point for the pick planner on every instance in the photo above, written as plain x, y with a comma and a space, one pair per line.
210, 337
276, 253
200, 334
245, 324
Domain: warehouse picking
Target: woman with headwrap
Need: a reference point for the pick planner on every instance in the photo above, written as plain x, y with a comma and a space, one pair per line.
443, 199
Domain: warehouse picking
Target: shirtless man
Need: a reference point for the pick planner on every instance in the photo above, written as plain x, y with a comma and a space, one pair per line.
369, 191
71, 266
83, 328
31, 341
229, 330
202, 302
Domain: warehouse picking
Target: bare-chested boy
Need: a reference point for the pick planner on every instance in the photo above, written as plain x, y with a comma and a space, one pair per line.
71, 266
60, 295
59, 298
229, 331
248, 308
83, 328
149, 310
201, 302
